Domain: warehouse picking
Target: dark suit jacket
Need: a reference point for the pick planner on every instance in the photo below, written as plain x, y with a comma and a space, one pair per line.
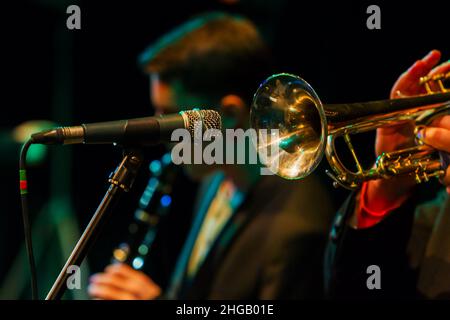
271, 248
411, 246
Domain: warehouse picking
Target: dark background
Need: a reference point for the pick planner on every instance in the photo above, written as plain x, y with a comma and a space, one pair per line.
78, 76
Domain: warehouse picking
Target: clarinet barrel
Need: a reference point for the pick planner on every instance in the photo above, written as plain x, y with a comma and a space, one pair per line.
153, 205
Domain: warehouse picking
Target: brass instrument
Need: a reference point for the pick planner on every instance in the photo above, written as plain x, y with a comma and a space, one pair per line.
153, 206
306, 130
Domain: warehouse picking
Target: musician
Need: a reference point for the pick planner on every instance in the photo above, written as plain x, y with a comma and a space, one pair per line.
252, 236
396, 225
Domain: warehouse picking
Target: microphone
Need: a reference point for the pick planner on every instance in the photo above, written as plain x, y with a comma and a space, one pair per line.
135, 132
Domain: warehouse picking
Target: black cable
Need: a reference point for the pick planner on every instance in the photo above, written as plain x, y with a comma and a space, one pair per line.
26, 218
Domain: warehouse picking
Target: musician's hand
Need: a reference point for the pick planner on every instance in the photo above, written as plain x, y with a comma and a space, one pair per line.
408, 84
437, 135
385, 193
121, 282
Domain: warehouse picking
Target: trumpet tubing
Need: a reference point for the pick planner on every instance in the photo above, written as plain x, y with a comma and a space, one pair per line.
308, 130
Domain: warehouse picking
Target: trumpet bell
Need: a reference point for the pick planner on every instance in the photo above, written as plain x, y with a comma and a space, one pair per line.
290, 121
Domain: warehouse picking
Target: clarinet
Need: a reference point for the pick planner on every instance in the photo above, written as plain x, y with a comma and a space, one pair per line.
153, 205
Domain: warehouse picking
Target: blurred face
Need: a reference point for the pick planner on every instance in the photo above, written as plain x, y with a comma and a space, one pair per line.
162, 97
172, 98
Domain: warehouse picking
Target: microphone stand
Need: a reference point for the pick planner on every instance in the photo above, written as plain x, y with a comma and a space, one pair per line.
120, 181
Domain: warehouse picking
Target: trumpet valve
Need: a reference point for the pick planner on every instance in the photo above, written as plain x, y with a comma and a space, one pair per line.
438, 79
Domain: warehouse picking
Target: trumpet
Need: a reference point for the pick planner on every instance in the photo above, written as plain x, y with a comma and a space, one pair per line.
307, 130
